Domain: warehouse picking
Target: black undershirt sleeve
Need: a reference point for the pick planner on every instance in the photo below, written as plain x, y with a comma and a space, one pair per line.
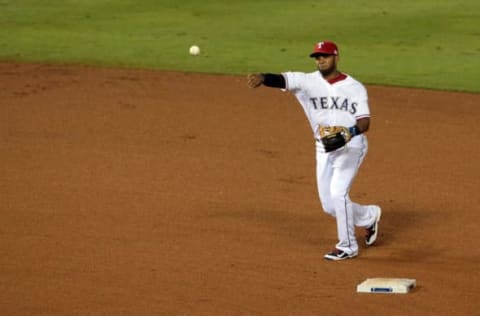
274, 80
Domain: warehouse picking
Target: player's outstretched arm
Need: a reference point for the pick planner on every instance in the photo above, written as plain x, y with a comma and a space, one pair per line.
267, 79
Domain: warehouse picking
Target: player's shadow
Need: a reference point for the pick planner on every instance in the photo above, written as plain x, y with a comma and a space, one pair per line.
399, 221
318, 228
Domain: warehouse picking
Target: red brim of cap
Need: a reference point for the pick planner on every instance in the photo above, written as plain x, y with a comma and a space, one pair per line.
322, 52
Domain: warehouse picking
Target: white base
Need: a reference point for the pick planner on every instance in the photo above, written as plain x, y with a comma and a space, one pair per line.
386, 285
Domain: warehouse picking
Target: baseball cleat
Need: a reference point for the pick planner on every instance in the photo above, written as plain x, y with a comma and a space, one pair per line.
372, 231
337, 255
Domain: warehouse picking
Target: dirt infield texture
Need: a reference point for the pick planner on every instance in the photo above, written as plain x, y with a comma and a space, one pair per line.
128, 192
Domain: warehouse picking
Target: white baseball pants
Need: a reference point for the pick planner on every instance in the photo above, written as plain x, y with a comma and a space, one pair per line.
335, 174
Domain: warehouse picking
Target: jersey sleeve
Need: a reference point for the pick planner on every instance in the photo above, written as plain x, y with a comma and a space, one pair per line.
294, 81
363, 109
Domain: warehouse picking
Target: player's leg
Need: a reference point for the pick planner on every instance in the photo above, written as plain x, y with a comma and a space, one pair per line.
367, 216
345, 167
344, 213
324, 175
363, 215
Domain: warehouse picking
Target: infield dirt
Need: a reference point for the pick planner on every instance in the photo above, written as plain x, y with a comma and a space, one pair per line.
130, 192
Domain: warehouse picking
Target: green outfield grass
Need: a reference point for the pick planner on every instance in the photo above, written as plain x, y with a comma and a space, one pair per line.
417, 43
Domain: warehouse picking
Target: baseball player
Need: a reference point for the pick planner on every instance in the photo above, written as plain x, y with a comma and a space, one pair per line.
336, 105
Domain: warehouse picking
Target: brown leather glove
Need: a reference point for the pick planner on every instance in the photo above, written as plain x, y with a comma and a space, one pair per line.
334, 137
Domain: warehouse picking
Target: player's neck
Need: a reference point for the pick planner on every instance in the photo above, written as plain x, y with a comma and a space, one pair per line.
331, 75
334, 76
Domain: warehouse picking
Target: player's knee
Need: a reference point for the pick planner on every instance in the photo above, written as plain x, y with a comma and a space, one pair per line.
329, 211
329, 208
339, 196
328, 203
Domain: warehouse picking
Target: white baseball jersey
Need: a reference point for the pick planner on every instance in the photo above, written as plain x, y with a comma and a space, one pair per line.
340, 103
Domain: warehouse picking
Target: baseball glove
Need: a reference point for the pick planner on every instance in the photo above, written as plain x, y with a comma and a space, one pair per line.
334, 137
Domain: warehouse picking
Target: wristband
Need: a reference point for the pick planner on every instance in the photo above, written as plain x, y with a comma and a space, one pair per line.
273, 80
354, 130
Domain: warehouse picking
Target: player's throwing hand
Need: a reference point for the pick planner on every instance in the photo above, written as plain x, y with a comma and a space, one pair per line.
254, 80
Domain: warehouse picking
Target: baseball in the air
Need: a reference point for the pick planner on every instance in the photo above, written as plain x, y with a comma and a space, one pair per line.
194, 50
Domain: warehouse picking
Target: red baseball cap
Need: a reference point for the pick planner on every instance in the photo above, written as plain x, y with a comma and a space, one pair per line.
325, 47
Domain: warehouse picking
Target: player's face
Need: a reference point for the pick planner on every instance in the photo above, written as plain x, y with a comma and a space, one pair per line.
326, 64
